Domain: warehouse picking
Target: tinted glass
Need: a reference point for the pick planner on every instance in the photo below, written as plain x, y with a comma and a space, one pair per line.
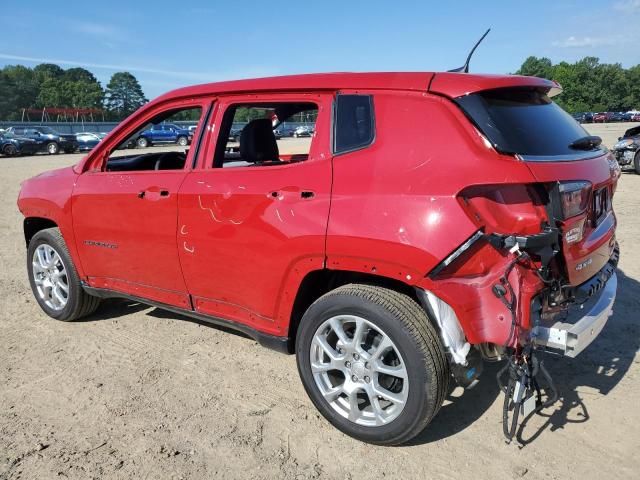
354, 126
523, 121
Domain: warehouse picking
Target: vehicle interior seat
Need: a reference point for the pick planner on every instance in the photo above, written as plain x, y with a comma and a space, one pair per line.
258, 143
170, 161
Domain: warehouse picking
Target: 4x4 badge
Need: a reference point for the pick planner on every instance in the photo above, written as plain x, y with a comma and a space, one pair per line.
584, 264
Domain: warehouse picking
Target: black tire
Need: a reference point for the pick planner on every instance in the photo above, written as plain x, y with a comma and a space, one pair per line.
182, 141
79, 303
69, 150
636, 162
53, 148
408, 327
10, 150
142, 142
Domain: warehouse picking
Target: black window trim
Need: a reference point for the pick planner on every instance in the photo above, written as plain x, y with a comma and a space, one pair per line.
334, 118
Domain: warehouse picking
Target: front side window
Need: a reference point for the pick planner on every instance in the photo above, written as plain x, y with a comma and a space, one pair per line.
265, 134
142, 150
354, 123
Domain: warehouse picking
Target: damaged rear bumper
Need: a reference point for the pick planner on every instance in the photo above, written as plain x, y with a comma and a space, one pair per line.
572, 338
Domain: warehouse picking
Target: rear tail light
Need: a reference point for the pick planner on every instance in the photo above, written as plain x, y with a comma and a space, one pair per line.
504, 209
574, 198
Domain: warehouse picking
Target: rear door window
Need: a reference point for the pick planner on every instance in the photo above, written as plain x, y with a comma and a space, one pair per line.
353, 123
524, 121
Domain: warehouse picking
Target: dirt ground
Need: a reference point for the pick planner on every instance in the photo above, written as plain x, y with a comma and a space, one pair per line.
136, 392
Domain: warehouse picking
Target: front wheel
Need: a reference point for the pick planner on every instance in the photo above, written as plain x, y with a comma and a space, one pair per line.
54, 280
52, 148
372, 363
142, 142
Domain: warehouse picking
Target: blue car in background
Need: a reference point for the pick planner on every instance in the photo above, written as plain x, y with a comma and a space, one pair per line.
87, 140
10, 145
164, 133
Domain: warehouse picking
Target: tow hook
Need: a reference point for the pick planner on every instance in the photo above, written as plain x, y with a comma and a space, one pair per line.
523, 395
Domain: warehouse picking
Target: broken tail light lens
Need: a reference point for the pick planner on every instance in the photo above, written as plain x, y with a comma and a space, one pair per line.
504, 209
574, 198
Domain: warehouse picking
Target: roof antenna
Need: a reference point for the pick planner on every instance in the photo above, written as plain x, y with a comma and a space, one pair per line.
465, 67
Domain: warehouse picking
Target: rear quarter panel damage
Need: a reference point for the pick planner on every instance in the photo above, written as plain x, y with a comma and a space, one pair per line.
395, 212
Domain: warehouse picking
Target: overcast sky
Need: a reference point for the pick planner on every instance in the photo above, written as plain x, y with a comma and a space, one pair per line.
168, 44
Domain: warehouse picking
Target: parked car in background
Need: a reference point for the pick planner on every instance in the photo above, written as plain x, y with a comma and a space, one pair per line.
11, 145
583, 117
627, 149
635, 117
387, 272
234, 134
87, 140
602, 117
302, 131
47, 138
164, 133
617, 117
286, 130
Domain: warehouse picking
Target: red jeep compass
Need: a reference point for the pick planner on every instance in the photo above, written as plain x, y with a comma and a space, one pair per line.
431, 222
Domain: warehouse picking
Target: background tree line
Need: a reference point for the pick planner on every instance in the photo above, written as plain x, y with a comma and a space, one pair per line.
588, 85
50, 86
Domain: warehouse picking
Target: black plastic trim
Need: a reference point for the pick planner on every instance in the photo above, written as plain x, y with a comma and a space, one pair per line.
456, 253
279, 344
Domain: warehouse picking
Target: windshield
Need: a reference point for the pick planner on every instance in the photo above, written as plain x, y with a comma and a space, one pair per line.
524, 121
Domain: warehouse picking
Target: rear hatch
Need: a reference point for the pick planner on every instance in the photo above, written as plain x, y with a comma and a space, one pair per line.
578, 176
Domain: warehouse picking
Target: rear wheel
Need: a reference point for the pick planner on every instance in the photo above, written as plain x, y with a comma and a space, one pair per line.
636, 162
372, 363
54, 280
142, 142
52, 148
10, 150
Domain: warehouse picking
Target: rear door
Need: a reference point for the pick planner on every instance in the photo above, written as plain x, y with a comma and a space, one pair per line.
248, 232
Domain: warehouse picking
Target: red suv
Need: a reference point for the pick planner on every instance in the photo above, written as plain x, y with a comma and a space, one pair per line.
433, 221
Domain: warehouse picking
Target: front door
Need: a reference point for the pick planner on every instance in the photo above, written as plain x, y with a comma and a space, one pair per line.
252, 221
124, 218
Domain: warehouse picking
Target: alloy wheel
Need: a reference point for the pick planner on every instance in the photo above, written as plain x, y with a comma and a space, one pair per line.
50, 277
359, 370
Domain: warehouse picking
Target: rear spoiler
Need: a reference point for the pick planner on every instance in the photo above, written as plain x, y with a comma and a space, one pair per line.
455, 85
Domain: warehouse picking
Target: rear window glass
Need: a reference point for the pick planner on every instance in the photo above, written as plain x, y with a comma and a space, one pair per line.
354, 125
523, 121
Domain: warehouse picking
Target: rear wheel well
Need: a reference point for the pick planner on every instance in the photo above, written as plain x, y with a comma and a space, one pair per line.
319, 282
33, 225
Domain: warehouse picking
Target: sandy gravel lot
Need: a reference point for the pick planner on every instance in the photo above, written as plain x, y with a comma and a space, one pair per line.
135, 392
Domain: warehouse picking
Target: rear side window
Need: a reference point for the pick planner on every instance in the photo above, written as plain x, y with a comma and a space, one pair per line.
523, 121
354, 122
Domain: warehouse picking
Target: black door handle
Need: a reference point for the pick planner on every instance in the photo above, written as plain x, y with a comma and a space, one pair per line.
141, 194
164, 193
307, 194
